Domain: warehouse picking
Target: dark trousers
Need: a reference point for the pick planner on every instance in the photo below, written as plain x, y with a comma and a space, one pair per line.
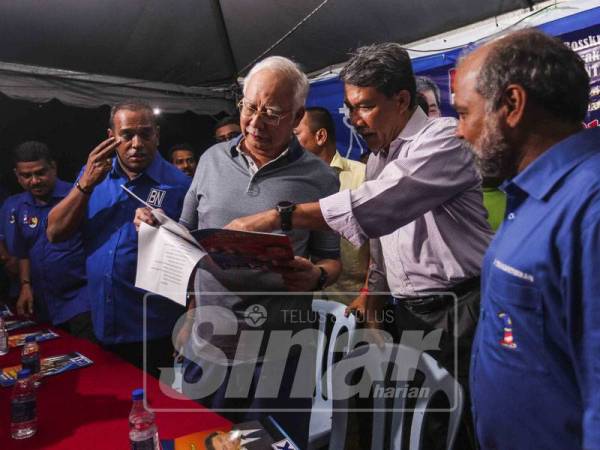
441, 312
159, 354
80, 326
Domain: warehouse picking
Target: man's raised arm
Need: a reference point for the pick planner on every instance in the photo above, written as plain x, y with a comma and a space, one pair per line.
65, 218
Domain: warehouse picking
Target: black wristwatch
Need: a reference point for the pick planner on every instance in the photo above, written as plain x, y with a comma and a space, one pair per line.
322, 281
285, 210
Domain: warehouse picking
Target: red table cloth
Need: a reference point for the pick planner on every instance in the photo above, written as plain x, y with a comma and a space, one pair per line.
88, 408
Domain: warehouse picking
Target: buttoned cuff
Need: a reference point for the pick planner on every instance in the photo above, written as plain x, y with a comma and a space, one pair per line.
337, 212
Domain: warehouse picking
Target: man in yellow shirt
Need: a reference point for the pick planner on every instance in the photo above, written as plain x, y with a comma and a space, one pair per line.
316, 133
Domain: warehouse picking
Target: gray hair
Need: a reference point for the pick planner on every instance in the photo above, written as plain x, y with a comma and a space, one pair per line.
552, 74
386, 67
289, 69
425, 84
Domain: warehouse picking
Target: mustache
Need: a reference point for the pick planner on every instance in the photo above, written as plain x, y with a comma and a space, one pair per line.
363, 130
254, 132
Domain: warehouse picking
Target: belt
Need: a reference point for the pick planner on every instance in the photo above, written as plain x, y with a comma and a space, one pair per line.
433, 300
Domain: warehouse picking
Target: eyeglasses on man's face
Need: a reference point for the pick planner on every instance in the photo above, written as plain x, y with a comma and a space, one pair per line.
269, 115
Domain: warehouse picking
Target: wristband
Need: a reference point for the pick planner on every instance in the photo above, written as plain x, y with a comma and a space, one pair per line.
364, 290
322, 281
81, 189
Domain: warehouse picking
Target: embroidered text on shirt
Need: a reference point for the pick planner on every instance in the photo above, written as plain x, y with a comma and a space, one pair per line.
511, 270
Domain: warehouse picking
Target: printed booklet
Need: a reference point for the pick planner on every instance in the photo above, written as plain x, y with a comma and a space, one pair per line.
18, 340
17, 324
52, 365
229, 249
243, 249
243, 436
10, 320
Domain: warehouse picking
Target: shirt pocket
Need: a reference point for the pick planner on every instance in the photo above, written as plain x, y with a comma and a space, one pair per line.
513, 325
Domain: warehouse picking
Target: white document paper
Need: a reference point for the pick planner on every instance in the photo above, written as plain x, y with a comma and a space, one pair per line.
166, 260
167, 255
173, 226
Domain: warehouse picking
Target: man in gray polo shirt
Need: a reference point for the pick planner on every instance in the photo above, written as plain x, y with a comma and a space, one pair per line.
261, 169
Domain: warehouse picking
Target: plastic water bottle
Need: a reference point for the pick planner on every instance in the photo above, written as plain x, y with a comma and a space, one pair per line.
3, 337
143, 434
30, 358
23, 417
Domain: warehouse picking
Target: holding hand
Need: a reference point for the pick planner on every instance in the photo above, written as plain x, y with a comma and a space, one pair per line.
368, 309
299, 275
144, 215
358, 306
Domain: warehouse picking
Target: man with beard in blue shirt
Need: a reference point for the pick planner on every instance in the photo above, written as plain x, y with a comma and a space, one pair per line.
535, 381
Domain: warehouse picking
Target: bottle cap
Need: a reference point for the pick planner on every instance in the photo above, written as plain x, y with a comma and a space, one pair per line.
137, 394
23, 373
31, 338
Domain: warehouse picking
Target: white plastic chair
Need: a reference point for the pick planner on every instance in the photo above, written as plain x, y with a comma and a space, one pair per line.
376, 361
340, 339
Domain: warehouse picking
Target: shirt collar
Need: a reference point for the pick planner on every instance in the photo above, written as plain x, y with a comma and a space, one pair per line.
233, 145
540, 177
240, 152
337, 162
415, 124
154, 170
292, 153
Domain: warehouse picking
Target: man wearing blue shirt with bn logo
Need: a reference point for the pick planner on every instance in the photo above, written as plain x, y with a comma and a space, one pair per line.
535, 382
98, 205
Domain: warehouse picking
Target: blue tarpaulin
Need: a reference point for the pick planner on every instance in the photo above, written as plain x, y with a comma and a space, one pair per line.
580, 31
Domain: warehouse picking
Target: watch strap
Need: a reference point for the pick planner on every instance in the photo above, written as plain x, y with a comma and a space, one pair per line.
322, 281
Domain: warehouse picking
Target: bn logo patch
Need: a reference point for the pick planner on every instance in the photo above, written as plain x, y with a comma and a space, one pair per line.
156, 197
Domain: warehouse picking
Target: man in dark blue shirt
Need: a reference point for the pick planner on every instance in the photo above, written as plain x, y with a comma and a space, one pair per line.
535, 381
52, 276
102, 209
7, 244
